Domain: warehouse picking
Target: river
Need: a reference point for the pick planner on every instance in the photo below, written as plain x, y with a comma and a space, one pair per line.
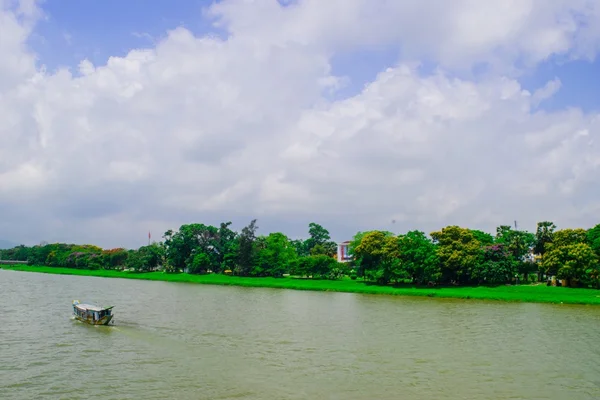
188, 341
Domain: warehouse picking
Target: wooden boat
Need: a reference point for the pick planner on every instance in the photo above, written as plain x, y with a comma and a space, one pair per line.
92, 313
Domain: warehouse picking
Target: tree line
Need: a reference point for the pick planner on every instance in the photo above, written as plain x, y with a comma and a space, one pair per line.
451, 256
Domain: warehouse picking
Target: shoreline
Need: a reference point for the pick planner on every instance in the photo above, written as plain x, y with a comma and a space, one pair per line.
507, 293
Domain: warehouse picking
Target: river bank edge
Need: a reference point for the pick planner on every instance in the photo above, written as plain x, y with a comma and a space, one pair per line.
529, 293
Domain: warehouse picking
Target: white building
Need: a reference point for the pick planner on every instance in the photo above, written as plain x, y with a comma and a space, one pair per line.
343, 254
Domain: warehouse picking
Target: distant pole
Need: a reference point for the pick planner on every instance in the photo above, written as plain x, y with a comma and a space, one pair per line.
149, 236
516, 226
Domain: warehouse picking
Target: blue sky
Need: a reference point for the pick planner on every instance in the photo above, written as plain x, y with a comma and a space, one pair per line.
74, 30
96, 30
580, 84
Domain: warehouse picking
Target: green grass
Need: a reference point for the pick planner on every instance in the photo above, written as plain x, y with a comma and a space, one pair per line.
521, 293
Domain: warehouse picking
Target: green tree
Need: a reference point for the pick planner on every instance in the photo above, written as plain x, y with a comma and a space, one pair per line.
323, 266
226, 248
319, 266
572, 261
378, 254
190, 241
153, 255
565, 237
543, 235
497, 265
135, 261
593, 237
114, 258
458, 251
247, 249
319, 241
517, 242
562, 252
503, 233
483, 237
418, 258
300, 247
356, 239
146, 258
39, 254
178, 249
18, 253
275, 255
200, 262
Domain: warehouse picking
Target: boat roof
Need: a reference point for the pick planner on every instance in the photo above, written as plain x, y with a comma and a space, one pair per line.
92, 307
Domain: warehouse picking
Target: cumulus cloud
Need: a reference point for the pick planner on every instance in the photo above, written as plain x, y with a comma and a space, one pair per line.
203, 128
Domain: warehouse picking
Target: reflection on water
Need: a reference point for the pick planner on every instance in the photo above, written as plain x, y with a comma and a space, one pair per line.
208, 342
96, 328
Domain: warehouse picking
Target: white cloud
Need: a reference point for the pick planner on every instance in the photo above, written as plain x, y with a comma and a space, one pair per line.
457, 33
202, 128
15, 26
546, 92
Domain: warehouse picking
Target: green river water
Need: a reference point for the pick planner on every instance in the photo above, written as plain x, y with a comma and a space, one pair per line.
187, 341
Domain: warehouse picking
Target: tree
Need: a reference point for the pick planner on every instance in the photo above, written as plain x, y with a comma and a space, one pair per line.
301, 266
378, 255
483, 237
226, 247
200, 262
247, 249
560, 249
497, 265
458, 251
572, 261
569, 256
454, 254
565, 237
275, 254
593, 238
146, 258
300, 247
319, 239
190, 241
178, 250
543, 235
321, 266
418, 258
517, 242
114, 258
356, 241
503, 233
321, 250
154, 255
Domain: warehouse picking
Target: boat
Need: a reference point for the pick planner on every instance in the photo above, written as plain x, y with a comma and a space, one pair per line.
92, 313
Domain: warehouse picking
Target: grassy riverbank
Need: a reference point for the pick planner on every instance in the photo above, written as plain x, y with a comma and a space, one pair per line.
521, 293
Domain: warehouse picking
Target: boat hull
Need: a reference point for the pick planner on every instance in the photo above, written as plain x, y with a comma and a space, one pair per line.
102, 321
92, 313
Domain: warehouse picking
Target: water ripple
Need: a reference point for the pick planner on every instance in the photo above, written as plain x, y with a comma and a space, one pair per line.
205, 342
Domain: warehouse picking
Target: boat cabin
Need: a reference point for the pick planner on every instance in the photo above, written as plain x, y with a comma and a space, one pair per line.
92, 313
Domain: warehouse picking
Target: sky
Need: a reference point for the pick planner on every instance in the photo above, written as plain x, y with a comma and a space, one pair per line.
122, 117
